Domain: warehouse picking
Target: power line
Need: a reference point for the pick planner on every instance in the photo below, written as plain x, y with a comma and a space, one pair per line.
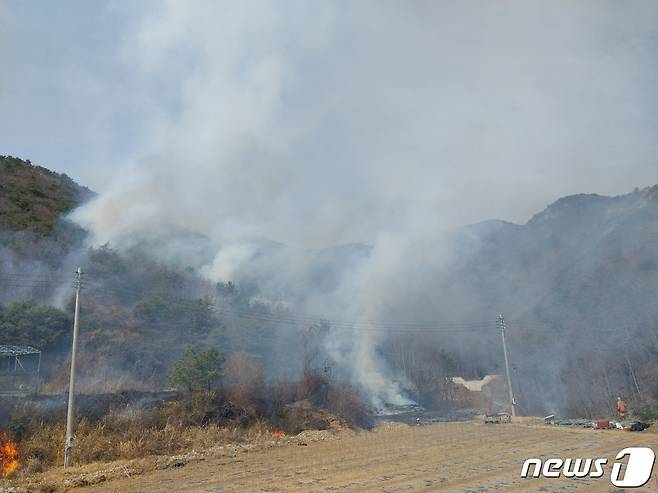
97, 290
278, 316
17, 280
355, 326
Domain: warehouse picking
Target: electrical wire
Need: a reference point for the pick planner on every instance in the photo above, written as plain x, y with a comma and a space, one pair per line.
100, 292
355, 325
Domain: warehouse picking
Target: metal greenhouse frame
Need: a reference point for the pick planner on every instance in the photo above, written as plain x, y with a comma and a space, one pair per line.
19, 367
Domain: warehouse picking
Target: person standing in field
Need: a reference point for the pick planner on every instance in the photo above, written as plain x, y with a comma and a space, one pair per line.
621, 408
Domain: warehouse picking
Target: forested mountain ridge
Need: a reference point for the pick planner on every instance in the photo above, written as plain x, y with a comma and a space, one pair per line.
577, 283
33, 197
580, 246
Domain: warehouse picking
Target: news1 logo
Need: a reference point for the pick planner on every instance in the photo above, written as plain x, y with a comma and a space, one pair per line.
638, 467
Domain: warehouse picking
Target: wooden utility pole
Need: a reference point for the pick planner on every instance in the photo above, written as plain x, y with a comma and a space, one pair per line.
68, 447
501, 323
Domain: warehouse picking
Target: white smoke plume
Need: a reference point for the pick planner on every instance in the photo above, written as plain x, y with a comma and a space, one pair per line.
386, 123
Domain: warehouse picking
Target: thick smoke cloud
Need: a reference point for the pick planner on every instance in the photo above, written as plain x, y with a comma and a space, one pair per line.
323, 124
384, 123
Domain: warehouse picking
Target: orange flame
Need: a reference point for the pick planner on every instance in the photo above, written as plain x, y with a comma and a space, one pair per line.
278, 434
8, 456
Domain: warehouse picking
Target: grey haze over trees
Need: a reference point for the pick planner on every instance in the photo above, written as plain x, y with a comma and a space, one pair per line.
245, 140
577, 283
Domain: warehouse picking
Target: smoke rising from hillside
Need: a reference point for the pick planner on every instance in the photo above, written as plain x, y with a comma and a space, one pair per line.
379, 123
320, 125
374, 122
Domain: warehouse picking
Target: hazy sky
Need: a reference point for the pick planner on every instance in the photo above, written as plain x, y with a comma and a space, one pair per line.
330, 121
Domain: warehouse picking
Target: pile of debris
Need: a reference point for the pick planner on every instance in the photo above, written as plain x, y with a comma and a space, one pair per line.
597, 424
498, 418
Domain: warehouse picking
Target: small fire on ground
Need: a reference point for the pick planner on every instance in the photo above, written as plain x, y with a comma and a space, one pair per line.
278, 434
8, 456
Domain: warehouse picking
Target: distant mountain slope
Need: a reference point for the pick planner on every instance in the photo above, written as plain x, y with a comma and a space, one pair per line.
34, 198
585, 258
577, 284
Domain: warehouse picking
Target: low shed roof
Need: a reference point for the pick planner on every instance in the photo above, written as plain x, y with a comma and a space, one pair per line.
12, 350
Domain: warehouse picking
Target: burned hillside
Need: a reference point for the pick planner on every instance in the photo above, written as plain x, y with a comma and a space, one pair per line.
576, 284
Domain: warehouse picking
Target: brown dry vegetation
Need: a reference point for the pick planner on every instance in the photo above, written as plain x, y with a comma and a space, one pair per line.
237, 414
130, 433
446, 457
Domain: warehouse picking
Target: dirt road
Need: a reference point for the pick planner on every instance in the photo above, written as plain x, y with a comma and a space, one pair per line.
447, 457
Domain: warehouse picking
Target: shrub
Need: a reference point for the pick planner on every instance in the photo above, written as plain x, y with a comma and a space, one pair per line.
17, 427
344, 400
244, 380
647, 413
197, 370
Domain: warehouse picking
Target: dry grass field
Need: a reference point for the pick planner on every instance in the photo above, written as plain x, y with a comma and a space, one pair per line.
447, 457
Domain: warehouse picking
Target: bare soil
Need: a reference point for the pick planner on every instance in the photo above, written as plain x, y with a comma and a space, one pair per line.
448, 457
